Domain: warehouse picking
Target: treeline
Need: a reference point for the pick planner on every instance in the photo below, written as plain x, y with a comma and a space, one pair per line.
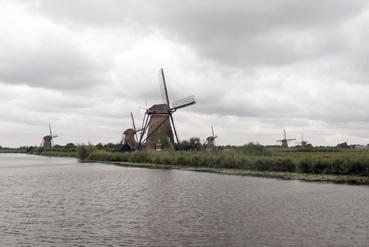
22, 149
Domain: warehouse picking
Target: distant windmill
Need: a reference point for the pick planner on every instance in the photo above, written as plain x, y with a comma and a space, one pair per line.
210, 141
285, 141
158, 123
47, 141
129, 138
303, 143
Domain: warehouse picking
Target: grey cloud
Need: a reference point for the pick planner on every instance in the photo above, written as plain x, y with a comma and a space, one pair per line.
256, 67
236, 33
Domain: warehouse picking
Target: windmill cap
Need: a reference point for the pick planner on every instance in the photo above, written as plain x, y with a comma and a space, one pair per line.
159, 108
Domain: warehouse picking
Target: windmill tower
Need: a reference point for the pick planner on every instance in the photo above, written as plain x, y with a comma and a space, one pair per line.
303, 142
210, 141
47, 141
158, 123
129, 137
285, 141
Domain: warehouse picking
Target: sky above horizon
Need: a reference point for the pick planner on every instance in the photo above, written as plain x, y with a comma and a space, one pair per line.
255, 67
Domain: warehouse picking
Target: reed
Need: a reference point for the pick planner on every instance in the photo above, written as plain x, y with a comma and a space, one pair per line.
336, 163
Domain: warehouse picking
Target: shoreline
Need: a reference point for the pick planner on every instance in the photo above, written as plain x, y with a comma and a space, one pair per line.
285, 175
306, 177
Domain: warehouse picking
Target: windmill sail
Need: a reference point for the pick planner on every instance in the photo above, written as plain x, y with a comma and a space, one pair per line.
181, 103
163, 88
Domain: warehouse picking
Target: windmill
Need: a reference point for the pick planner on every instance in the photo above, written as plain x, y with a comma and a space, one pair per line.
303, 143
285, 141
129, 138
210, 141
158, 123
47, 141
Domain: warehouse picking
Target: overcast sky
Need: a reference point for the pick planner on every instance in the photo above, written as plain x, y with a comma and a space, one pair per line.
255, 67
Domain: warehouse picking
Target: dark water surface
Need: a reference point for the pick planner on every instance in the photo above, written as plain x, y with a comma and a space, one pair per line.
59, 202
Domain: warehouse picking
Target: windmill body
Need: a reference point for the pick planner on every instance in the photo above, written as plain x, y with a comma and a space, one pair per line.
128, 141
303, 142
158, 124
210, 141
129, 137
159, 127
48, 140
285, 141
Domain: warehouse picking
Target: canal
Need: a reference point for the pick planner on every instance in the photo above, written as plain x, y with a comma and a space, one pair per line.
60, 202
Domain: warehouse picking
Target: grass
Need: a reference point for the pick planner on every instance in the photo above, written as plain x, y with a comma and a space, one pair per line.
344, 166
349, 163
59, 154
342, 163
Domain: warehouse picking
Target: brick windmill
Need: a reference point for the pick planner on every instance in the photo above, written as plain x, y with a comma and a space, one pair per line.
158, 124
303, 143
285, 141
47, 141
210, 141
129, 138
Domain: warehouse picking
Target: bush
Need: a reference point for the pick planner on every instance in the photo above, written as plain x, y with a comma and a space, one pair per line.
304, 166
319, 166
139, 157
283, 165
83, 151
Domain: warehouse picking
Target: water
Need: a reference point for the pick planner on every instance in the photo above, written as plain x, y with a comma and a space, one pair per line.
59, 202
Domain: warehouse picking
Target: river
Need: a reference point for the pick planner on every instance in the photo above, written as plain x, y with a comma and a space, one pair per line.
60, 202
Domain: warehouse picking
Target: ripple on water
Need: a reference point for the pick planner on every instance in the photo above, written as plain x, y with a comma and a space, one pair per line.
57, 201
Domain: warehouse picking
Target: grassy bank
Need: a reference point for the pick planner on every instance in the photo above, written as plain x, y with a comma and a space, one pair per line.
59, 154
341, 163
344, 166
347, 179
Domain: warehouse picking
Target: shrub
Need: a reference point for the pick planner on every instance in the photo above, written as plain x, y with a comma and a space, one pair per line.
139, 157
83, 151
319, 166
283, 165
304, 166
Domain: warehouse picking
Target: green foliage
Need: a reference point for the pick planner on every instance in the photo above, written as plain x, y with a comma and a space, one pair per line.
59, 154
83, 151
252, 156
304, 166
252, 148
194, 144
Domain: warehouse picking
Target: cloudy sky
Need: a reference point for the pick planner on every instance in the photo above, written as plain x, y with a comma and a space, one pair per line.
256, 68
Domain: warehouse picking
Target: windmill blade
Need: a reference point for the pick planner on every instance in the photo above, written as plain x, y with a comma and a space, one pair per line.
163, 87
51, 134
134, 126
133, 122
285, 135
181, 103
212, 130
291, 140
144, 128
54, 136
174, 128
